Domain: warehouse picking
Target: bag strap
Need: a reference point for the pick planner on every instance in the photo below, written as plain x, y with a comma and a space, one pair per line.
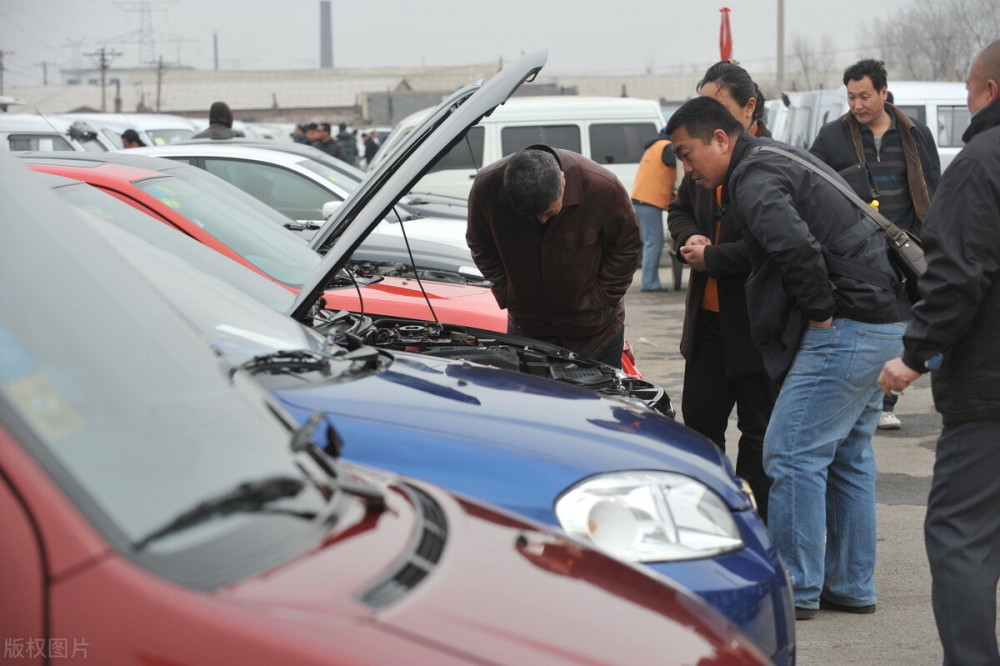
895, 234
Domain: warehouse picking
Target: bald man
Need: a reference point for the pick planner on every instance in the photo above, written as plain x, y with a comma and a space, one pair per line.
953, 334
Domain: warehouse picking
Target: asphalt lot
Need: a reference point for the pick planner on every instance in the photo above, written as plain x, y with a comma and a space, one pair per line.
902, 630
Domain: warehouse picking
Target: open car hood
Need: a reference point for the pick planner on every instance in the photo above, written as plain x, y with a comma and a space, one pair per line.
394, 177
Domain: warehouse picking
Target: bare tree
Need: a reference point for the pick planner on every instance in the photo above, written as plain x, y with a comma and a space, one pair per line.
933, 39
813, 61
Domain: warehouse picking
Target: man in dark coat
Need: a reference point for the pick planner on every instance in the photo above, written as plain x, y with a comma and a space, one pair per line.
557, 237
349, 144
220, 123
327, 143
722, 366
885, 155
822, 332
953, 333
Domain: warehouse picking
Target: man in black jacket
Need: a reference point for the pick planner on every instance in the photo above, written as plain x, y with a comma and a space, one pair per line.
885, 155
821, 332
954, 333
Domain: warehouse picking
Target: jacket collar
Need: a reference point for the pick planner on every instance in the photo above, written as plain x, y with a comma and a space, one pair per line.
744, 142
984, 119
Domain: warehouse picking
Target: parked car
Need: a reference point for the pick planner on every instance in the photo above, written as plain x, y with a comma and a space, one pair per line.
612, 131
155, 129
158, 506
299, 183
229, 221
27, 131
747, 583
346, 177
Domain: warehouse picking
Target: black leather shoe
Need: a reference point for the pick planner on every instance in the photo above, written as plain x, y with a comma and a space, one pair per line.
805, 613
834, 606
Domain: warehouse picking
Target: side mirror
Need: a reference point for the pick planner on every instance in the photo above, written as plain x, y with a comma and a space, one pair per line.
330, 208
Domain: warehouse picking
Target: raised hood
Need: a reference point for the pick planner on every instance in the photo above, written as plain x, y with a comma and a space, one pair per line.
392, 179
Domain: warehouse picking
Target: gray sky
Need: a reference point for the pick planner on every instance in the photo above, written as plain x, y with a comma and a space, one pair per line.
582, 36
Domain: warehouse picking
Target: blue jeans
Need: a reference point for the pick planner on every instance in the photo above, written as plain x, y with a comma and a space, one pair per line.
651, 228
818, 452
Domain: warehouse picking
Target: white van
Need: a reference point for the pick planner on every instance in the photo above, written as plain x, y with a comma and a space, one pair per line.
154, 129
612, 131
941, 105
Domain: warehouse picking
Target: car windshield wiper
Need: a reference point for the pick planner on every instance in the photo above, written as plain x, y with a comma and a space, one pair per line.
303, 442
291, 362
301, 225
249, 497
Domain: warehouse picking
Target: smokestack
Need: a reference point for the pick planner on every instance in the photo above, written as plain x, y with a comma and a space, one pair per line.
325, 35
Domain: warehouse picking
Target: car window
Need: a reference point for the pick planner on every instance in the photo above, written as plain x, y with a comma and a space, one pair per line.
952, 123
344, 176
619, 143
466, 154
513, 139
290, 193
164, 136
38, 142
917, 112
275, 251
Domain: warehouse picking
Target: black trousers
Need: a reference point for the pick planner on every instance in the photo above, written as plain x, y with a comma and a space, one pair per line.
962, 536
710, 395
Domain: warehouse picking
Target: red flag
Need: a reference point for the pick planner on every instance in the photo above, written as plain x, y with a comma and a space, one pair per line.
725, 36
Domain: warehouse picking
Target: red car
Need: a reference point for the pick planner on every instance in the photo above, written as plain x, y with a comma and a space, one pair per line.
230, 221
158, 508
219, 215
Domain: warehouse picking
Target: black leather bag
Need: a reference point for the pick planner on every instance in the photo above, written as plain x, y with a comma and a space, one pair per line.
905, 252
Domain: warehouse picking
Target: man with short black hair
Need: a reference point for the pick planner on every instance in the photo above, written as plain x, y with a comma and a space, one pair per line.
326, 143
883, 154
823, 325
557, 237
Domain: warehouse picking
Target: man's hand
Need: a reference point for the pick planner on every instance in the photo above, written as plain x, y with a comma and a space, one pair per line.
693, 251
896, 376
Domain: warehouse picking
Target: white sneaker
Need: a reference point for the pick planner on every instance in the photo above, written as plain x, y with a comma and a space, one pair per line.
889, 421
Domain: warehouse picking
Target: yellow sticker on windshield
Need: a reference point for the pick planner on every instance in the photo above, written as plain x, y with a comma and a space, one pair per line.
41, 402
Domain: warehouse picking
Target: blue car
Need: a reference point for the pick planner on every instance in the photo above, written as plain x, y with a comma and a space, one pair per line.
605, 468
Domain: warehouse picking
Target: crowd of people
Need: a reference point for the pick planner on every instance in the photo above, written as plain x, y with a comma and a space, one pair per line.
797, 315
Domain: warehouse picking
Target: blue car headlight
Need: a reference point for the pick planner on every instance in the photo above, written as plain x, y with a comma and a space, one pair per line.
649, 517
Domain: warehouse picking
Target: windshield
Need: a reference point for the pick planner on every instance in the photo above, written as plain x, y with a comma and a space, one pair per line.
164, 136
238, 225
120, 214
131, 411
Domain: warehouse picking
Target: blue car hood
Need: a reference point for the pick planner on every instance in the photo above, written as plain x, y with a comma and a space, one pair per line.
507, 438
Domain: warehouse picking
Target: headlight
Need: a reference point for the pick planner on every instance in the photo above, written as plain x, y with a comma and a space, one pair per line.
649, 517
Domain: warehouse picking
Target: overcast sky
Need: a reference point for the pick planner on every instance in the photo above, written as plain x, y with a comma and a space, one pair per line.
582, 36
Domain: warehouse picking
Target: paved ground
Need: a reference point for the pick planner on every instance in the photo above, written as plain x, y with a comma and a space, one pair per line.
902, 630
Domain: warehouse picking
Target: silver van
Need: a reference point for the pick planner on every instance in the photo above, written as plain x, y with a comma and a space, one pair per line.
612, 131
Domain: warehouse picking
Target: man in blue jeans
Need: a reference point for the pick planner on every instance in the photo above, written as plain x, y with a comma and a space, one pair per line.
826, 311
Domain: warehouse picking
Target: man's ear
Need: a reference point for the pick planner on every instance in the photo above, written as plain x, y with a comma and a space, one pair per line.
724, 141
994, 88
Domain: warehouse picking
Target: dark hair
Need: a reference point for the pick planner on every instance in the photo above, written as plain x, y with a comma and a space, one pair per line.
701, 116
132, 136
311, 127
736, 80
323, 127
873, 69
532, 180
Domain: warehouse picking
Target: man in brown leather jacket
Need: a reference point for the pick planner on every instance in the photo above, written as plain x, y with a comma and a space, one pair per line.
557, 237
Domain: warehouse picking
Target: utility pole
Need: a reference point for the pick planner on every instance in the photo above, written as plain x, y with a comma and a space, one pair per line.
2, 54
160, 69
103, 63
45, 71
